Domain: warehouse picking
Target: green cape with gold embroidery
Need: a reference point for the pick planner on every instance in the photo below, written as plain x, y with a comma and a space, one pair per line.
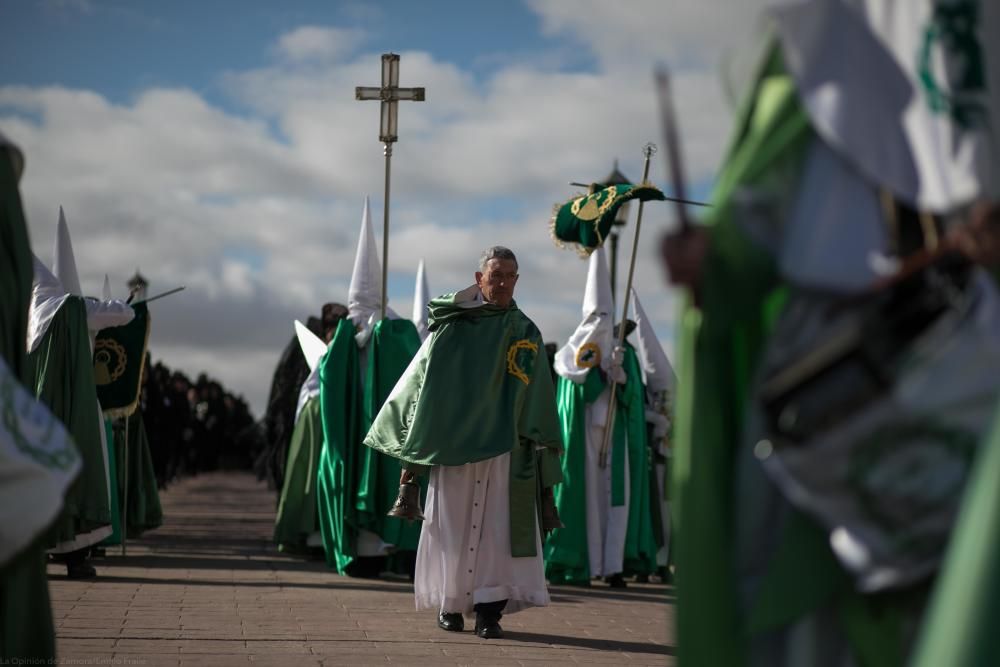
477, 388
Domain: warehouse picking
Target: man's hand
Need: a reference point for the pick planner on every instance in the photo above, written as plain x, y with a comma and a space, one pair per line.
979, 239
683, 256
615, 371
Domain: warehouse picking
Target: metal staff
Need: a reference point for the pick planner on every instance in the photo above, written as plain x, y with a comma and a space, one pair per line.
673, 147
648, 150
161, 295
389, 94
125, 492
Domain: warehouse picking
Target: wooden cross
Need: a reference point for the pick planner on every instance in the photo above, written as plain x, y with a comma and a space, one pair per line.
390, 94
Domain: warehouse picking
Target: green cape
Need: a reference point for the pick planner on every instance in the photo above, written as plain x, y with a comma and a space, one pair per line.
479, 386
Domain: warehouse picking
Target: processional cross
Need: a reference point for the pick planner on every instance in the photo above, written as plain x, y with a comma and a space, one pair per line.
389, 94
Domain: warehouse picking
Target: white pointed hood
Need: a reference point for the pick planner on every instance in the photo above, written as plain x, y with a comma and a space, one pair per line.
657, 372
106, 290
63, 259
47, 296
592, 342
364, 296
365, 293
421, 297
313, 349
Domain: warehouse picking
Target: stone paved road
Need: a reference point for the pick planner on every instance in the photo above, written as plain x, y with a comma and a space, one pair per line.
209, 588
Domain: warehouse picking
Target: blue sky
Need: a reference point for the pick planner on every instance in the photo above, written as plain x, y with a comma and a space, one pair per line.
219, 145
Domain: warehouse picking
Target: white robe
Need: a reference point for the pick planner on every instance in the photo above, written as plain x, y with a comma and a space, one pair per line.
464, 554
606, 524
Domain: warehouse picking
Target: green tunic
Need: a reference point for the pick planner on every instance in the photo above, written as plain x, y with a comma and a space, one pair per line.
566, 548
390, 350
298, 515
143, 496
640, 540
63, 379
566, 558
340, 402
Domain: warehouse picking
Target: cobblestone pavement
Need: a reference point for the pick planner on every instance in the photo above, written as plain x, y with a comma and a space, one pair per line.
210, 588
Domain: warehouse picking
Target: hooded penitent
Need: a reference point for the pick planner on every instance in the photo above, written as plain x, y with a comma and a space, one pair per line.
365, 358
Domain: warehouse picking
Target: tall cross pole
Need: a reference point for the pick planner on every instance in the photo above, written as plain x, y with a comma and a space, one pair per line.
389, 94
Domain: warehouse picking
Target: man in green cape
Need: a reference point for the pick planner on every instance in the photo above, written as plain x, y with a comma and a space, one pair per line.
476, 405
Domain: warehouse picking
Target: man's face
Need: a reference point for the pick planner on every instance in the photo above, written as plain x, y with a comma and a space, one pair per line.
498, 281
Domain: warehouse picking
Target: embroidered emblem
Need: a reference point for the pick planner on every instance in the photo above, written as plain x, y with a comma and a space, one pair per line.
512, 366
106, 353
588, 356
957, 89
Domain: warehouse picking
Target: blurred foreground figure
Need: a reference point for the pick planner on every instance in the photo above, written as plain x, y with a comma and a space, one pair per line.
37, 456
837, 375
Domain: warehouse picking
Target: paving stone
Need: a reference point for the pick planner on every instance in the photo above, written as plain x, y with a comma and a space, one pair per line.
210, 588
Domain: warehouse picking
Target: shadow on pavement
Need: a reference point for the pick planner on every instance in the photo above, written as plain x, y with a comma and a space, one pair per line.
590, 643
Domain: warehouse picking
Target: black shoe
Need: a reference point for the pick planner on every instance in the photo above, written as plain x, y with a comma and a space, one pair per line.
616, 581
488, 628
81, 571
451, 622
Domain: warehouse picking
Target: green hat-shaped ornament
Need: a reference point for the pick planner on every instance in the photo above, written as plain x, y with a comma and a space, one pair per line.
586, 221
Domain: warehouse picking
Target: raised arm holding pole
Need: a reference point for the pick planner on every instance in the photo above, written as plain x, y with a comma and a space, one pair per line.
648, 151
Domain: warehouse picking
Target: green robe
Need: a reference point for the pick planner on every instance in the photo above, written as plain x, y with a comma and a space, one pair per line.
478, 388
566, 548
390, 349
63, 379
143, 496
960, 625
719, 346
341, 409
566, 559
26, 627
298, 511
640, 539
115, 538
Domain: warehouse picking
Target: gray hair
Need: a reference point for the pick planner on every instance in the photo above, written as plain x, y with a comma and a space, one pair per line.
496, 252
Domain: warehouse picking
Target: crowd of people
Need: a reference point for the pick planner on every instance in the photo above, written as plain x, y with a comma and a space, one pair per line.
195, 425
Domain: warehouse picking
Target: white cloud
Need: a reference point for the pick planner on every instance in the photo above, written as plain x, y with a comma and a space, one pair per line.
318, 43
258, 213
